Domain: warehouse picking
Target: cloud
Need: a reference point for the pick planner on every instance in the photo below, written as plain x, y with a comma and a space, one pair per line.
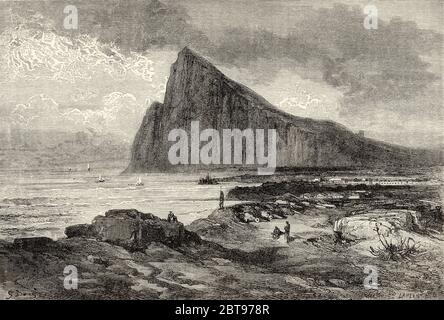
381, 64
35, 53
135, 25
65, 82
83, 95
121, 115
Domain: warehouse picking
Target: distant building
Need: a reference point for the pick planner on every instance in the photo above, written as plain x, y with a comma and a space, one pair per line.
394, 182
335, 180
353, 196
383, 181
335, 195
361, 133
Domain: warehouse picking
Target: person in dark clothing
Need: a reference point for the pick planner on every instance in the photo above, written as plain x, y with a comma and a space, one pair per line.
221, 200
287, 231
438, 214
137, 233
170, 216
276, 233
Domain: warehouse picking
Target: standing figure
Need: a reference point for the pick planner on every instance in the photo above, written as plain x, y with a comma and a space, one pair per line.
170, 217
287, 231
137, 233
221, 199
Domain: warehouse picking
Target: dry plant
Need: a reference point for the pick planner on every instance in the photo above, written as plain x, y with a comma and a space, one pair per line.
405, 248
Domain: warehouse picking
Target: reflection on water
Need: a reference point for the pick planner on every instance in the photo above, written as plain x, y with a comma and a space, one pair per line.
44, 203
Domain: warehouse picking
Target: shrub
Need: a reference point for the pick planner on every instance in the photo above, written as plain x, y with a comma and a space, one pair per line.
405, 248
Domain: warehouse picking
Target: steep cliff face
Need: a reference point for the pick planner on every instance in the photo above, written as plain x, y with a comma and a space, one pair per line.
198, 91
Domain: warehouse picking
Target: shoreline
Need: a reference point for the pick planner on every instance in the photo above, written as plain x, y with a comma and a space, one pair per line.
218, 256
231, 253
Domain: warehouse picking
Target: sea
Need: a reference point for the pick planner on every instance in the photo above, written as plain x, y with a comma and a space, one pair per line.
44, 203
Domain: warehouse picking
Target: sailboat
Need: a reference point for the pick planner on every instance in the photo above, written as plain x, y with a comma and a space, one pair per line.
89, 168
101, 179
139, 182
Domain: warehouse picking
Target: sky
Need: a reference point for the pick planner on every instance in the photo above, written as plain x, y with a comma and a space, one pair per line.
310, 58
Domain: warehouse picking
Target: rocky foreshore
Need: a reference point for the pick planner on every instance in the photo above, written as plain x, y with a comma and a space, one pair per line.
127, 254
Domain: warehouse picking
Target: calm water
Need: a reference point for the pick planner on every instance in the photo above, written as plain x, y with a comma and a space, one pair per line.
44, 203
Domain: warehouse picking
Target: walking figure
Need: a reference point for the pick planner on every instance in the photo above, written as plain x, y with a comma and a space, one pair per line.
287, 231
137, 233
221, 199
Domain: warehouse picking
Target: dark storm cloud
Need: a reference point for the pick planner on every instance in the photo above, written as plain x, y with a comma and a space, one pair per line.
380, 64
134, 25
386, 61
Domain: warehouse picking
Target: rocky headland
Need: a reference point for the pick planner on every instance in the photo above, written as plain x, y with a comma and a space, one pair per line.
198, 91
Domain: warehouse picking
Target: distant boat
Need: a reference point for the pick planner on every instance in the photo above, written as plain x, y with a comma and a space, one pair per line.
207, 180
101, 179
89, 168
139, 182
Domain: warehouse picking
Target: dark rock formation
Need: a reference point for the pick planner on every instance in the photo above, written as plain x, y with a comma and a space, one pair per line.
198, 91
132, 229
81, 230
34, 244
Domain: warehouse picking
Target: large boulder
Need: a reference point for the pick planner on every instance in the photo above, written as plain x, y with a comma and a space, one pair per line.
81, 230
363, 226
34, 244
131, 229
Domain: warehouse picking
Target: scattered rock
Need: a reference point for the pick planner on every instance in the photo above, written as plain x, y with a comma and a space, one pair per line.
338, 283
246, 217
261, 212
98, 260
130, 214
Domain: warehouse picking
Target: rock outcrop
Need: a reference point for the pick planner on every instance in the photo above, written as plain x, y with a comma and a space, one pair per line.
133, 229
198, 91
34, 244
363, 226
